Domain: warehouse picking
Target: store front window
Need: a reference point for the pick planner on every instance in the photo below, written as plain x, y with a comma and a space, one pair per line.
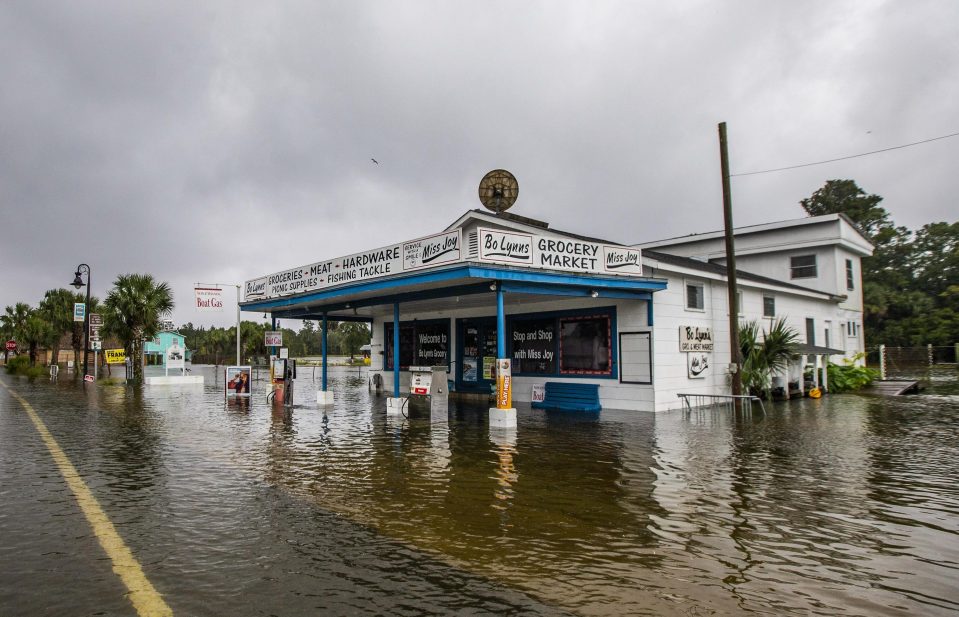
570, 343
422, 343
585, 345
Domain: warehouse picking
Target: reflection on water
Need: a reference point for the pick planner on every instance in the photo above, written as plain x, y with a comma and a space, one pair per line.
843, 505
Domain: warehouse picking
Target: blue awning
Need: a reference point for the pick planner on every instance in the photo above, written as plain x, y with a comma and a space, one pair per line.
344, 302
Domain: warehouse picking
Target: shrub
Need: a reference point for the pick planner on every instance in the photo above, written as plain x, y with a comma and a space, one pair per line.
20, 365
847, 377
17, 365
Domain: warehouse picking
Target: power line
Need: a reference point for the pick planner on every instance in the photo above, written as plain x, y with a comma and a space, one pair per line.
843, 158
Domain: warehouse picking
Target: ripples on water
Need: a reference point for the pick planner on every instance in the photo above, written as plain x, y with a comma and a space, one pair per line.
843, 505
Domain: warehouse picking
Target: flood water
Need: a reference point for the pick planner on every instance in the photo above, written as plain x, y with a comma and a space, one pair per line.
847, 505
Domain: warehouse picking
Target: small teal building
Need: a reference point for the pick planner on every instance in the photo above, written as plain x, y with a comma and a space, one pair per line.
155, 350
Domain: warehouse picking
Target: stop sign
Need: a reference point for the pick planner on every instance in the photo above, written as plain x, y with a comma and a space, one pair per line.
11, 345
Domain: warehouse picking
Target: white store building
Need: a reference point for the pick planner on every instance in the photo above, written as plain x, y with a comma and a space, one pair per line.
570, 309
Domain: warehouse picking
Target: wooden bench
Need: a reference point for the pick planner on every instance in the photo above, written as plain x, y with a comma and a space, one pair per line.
571, 396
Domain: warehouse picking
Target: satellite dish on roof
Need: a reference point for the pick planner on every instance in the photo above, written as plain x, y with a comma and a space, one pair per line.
498, 190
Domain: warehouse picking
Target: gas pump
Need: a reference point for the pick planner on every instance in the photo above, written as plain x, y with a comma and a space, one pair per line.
282, 373
429, 382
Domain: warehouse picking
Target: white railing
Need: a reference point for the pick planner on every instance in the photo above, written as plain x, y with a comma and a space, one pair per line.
720, 402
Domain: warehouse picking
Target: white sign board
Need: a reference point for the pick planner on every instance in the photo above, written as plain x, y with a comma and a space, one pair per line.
421, 253
284, 352
697, 365
175, 356
79, 311
505, 247
538, 394
273, 339
208, 299
433, 251
557, 253
695, 338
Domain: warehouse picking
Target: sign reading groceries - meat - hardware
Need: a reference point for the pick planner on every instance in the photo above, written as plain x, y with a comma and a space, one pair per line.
424, 252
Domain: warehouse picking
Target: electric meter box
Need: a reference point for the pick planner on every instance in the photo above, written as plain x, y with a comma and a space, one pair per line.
430, 381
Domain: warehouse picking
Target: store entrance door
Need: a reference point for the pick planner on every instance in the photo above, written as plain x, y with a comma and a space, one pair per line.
476, 354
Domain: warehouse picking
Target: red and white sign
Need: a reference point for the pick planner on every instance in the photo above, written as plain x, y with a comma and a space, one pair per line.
273, 339
208, 299
88, 378
11, 345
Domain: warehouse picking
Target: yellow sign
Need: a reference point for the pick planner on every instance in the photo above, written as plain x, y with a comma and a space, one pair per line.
504, 384
115, 356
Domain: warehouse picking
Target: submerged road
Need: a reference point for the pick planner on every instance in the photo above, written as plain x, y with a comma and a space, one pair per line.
103, 511
123, 501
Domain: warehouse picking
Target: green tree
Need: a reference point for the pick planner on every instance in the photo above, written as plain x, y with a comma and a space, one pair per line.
132, 312
845, 197
252, 334
13, 321
348, 337
57, 309
935, 257
37, 333
907, 278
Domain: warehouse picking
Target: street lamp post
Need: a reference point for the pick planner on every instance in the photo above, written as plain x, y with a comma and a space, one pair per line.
78, 283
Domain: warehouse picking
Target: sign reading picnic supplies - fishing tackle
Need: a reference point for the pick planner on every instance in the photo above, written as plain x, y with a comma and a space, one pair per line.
695, 338
425, 252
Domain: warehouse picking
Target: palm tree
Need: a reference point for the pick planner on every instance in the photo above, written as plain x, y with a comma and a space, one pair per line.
57, 309
13, 321
132, 312
37, 332
765, 353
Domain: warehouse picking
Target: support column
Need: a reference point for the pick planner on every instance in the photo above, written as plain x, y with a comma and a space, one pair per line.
504, 414
396, 404
238, 357
825, 373
500, 324
324, 396
802, 376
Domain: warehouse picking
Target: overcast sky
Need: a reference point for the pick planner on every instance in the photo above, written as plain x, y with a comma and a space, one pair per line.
217, 142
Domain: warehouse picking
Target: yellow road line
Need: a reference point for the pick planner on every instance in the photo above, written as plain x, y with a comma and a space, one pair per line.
145, 598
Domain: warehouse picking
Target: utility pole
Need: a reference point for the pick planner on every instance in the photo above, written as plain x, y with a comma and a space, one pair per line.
732, 287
